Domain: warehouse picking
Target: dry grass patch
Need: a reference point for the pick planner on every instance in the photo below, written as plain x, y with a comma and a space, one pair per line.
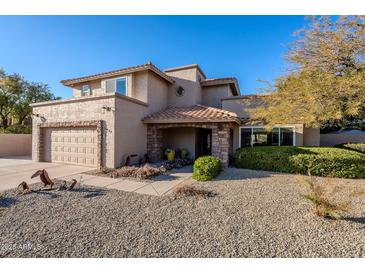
319, 193
189, 190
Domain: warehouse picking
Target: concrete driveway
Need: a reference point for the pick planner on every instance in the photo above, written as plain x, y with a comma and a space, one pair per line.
14, 170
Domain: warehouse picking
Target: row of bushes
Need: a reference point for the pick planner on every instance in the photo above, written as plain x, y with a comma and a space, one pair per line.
320, 161
17, 129
359, 147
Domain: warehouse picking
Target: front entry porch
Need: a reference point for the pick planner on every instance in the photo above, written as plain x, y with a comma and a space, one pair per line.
207, 130
198, 138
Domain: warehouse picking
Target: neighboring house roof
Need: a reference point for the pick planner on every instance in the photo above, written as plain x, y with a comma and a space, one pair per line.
246, 96
349, 131
187, 67
222, 81
197, 113
123, 71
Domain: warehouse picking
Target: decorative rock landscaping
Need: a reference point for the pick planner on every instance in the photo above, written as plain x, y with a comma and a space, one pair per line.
249, 214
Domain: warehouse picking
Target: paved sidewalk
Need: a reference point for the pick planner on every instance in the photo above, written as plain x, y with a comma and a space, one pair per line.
160, 185
14, 170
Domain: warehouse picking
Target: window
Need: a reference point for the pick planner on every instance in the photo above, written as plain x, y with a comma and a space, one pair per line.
258, 136
118, 85
85, 90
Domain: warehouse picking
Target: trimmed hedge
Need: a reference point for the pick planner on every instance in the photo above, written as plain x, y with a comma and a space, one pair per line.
359, 147
17, 129
206, 168
322, 161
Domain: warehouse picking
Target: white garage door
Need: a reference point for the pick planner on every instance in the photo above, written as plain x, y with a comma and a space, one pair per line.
71, 146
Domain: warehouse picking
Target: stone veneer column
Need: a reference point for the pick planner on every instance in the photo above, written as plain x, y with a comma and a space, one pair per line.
220, 143
154, 143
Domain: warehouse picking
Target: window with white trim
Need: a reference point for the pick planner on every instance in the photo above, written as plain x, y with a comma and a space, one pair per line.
86, 91
259, 136
117, 85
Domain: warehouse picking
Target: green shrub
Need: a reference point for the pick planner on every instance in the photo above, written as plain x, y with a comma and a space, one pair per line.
17, 129
206, 168
360, 147
321, 161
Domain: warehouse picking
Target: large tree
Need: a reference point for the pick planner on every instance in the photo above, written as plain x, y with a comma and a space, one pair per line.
32, 93
326, 80
16, 95
11, 87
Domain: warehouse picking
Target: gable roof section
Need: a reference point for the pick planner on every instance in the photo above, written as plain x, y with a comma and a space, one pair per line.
192, 114
232, 81
148, 66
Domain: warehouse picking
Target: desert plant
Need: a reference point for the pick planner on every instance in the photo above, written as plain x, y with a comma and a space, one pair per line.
189, 190
144, 172
316, 194
147, 172
206, 168
177, 163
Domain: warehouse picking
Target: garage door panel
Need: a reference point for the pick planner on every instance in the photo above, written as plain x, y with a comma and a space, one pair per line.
71, 145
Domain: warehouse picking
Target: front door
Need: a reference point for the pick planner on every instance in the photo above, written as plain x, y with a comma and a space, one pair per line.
206, 141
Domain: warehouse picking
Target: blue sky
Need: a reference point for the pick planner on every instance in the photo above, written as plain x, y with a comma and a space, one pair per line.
51, 48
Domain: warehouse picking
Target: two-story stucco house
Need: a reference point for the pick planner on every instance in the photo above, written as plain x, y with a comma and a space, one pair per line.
142, 109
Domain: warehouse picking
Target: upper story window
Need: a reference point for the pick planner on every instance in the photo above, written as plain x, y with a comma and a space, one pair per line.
118, 85
85, 90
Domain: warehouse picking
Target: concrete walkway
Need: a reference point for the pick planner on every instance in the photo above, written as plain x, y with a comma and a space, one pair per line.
14, 170
158, 186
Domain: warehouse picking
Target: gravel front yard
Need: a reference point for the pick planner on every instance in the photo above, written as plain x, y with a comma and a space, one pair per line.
253, 214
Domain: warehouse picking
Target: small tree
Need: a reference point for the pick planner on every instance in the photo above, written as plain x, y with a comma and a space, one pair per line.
326, 84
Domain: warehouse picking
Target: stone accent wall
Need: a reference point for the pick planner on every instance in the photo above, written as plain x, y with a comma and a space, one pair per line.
154, 143
220, 139
220, 143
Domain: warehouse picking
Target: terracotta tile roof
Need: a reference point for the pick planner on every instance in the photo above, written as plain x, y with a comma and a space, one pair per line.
197, 113
148, 66
222, 81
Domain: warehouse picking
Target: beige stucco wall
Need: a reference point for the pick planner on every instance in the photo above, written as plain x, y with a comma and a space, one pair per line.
158, 90
212, 95
130, 132
140, 84
311, 136
335, 139
178, 138
188, 79
240, 106
15, 144
84, 109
